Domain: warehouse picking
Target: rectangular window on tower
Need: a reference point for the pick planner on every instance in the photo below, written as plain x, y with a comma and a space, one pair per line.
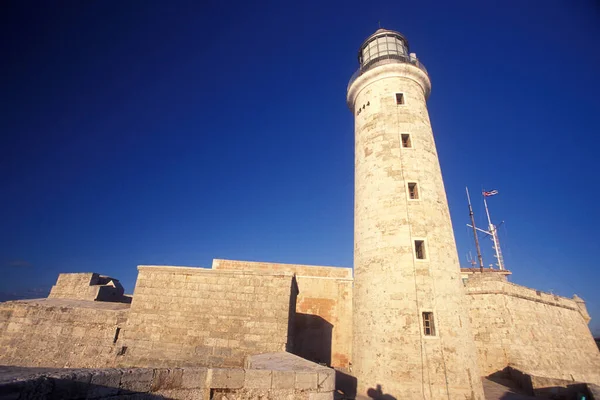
399, 98
428, 324
420, 250
413, 191
406, 143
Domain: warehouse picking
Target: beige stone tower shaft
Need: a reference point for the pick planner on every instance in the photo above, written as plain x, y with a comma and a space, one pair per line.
410, 324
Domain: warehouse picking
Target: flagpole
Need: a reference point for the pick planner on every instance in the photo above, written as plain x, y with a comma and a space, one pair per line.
488, 214
494, 234
475, 232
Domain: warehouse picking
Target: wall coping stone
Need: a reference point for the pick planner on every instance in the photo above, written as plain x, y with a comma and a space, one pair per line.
304, 270
70, 303
201, 270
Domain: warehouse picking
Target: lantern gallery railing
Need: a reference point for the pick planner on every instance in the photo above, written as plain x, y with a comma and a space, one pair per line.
386, 59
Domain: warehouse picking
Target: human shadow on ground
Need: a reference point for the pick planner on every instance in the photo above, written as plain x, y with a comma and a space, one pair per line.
377, 394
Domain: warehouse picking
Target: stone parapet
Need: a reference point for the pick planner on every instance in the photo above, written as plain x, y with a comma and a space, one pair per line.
60, 332
172, 383
298, 269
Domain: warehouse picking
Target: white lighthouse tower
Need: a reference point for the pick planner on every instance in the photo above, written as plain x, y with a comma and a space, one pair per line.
412, 338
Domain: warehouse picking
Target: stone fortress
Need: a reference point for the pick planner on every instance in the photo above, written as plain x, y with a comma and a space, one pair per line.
406, 322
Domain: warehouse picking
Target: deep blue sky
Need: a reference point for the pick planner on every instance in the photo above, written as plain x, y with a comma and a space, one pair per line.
174, 133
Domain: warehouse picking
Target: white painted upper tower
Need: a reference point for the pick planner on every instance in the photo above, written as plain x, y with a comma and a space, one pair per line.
410, 324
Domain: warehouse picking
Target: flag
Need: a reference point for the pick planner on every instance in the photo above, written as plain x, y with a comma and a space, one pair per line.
490, 193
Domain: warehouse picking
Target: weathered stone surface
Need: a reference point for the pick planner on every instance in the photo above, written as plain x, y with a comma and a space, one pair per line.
88, 286
284, 380
323, 326
195, 378
223, 378
258, 379
541, 334
306, 380
136, 380
326, 381
164, 379
70, 385
320, 396
59, 332
104, 383
181, 394
212, 317
148, 383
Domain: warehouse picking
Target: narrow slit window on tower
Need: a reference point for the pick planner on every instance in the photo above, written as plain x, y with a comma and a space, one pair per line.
420, 249
399, 98
428, 324
413, 191
406, 140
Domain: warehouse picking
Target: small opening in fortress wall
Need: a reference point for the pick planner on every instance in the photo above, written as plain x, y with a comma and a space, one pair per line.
428, 324
399, 98
420, 249
122, 351
413, 190
406, 141
117, 331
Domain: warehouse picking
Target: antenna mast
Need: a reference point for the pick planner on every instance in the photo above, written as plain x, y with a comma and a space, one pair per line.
475, 231
493, 231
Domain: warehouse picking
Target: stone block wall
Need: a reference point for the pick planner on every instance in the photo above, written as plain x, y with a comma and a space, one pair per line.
538, 333
60, 332
323, 329
200, 317
88, 286
174, 383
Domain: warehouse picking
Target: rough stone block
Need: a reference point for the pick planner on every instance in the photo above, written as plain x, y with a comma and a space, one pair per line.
227, 378
284, 380
164, 379
71, 385
326, 381
306, 380
194, 378
136, 380
104, 383
258, 379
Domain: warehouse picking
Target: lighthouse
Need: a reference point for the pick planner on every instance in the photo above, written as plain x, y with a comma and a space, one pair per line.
411, 332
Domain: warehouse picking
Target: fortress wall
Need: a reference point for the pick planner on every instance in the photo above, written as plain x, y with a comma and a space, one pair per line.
75, 286
323, 308
88, 286
59, 332
200, 317
535, 332
285, 380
